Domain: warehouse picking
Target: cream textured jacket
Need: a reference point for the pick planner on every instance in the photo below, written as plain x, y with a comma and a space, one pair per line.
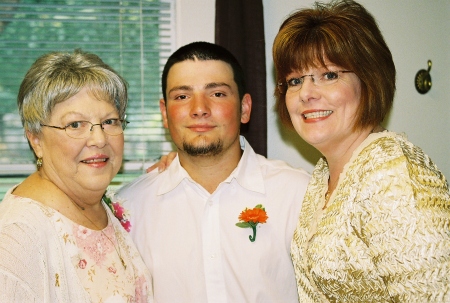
384, 236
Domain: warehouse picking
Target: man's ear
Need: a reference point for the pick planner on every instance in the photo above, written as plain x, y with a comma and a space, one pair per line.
163, 109
246, 108
35, 143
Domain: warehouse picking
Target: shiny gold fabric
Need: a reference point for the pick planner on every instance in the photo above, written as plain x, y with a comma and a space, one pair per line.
384, 236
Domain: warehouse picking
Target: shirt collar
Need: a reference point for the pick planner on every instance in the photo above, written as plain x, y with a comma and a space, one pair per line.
248, 172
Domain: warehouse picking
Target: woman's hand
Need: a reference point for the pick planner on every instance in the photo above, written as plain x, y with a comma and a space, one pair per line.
163, 162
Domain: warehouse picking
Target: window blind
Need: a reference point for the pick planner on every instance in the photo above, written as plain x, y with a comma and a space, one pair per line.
135, 37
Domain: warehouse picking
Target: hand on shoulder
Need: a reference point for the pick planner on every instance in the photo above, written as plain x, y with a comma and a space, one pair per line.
163, 162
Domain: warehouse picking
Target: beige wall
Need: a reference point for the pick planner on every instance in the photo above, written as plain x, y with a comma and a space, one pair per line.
415, 30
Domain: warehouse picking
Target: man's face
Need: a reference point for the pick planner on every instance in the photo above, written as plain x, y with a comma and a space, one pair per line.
203, 111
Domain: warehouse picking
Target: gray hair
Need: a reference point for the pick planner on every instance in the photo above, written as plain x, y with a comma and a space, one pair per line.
57, 76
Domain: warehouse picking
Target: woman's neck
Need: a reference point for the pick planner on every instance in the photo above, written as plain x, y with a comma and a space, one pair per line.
338, 156
44, 191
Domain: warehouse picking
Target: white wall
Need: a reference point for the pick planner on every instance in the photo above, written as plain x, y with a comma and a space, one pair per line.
415, 31
195, 21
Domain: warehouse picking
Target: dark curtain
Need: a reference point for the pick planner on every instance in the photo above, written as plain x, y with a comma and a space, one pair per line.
240, 29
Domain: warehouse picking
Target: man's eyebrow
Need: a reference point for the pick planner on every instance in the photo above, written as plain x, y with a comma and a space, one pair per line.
180, 87
207, 86
217, 84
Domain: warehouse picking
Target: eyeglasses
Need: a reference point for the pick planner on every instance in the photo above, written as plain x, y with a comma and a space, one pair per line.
82, 129
294, 84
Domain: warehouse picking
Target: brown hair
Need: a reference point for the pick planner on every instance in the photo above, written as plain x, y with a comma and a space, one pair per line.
204, 51
346, 34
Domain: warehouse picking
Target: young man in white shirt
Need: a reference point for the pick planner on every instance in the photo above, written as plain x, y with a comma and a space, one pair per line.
184, 219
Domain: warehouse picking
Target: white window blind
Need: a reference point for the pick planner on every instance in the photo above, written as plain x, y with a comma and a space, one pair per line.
134, 37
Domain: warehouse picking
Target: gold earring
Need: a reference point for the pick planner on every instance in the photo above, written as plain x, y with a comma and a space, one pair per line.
39, 163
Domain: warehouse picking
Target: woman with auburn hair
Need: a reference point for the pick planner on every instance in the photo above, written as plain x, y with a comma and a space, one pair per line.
374, 224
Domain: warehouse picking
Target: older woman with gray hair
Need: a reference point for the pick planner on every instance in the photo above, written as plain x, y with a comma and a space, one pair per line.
59, 240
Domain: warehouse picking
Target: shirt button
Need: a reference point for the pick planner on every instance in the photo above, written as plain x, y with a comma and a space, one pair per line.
213, 256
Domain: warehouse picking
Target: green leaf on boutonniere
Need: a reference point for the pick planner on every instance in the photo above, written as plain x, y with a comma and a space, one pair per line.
243, 224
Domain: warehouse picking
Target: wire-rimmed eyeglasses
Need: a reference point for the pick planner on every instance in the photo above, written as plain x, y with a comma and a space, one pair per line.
294, 84
82, 129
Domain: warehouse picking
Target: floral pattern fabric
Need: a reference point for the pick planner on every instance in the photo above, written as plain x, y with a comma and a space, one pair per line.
57, 260
96, 256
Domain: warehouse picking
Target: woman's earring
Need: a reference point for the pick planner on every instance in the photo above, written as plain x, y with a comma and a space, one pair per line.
39, 163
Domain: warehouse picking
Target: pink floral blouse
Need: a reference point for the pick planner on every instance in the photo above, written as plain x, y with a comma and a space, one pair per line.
96, 256
46, 257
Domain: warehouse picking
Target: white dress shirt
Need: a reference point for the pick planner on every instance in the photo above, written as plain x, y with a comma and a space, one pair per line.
189, 240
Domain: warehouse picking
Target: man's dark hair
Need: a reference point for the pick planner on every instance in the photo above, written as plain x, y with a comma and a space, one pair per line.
204, 51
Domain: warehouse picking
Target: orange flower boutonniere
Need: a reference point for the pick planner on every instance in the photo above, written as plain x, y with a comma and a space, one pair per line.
251, 218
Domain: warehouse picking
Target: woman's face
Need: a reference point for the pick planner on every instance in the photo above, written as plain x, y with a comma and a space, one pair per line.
79, 166
324, 116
